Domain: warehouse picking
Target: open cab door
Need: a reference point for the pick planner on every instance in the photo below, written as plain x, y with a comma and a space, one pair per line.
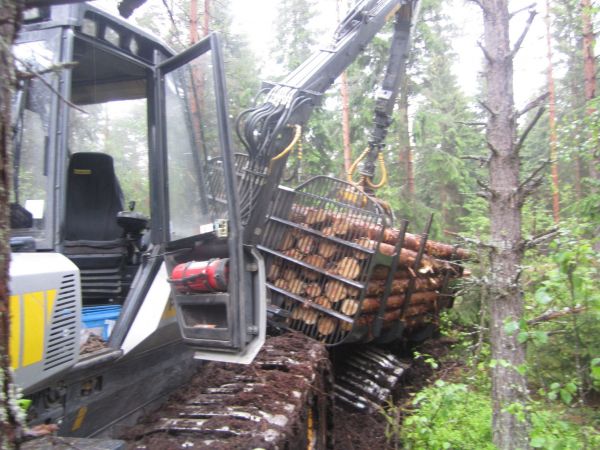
218, 286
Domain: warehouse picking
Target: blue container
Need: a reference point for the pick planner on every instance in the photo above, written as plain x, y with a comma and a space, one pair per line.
100, 320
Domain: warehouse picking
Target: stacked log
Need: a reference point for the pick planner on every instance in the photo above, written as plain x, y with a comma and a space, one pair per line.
327, 257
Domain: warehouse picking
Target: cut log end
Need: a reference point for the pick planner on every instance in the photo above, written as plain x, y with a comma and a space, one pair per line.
335, 290
348, 267
326, 325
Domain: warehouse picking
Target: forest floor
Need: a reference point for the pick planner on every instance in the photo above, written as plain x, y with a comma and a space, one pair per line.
358, 431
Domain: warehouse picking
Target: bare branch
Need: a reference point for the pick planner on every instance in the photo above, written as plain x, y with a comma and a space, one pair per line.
533, 104
32, 73
478, 3
55, 68
472, 124
488, 57
533, 180
487, 192
493, 149
530, 126
173, 23
553, 314
539, 238
514, 13
480, 159
485, 106
531, 188
519, 42
467, 240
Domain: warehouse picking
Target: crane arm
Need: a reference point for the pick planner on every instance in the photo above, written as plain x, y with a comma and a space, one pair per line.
267, 128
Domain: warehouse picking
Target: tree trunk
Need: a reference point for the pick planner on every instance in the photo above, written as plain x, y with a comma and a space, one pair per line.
206, 17
552, 121
589, 73
509, 389
346, 122
9, 17
345, 111
194, 22
405, 150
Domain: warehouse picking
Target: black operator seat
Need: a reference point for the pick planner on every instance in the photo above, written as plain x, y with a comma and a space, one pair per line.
94, 198
93, 239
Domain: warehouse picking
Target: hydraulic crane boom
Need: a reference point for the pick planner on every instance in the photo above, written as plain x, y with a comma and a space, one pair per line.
268, 128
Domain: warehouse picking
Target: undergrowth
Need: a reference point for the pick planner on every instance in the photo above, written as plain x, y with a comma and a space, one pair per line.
456, 415
454, 411
561, 331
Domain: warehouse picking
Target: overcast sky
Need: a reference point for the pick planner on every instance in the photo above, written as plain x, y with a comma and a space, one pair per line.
256, 18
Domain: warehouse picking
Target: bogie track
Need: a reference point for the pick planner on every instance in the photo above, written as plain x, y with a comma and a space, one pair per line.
279, 401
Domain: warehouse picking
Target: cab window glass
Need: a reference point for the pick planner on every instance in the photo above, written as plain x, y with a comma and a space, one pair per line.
32, 106
195, 170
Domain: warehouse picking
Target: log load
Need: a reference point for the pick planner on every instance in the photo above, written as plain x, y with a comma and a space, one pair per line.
400, 285
372, 304
338, 251
348, 225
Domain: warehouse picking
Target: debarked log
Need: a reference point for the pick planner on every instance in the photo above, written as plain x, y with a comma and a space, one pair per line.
376, 287
360, 228
348, 267
287, 242
433, 248
395, 314
411, 241
304, 313
326, 325
372, 304
336, 291
306, 244
428, 264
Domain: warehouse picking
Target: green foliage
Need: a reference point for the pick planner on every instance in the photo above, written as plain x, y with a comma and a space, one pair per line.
565, 277
241, 65
448, 415
551, 430
295, 38
459, 416
440, 131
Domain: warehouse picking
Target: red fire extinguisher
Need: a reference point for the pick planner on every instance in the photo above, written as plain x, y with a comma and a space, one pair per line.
201, 276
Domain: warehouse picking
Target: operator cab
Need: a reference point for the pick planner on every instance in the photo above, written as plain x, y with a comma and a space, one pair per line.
123, 165
81, 172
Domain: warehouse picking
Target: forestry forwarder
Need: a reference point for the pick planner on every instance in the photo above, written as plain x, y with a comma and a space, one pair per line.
215, 244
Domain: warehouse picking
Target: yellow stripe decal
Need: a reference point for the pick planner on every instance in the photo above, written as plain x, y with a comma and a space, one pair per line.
79, 419
169, 311
33, 349
14, 343
50, 298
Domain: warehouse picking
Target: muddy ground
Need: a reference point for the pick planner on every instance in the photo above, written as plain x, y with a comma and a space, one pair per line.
358, 431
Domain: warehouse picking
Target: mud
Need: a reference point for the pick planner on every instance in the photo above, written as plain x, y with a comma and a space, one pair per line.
359, 431
92, 344
365, 431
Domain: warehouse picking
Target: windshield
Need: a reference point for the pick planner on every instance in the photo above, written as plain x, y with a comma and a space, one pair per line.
32, 119
195, 168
